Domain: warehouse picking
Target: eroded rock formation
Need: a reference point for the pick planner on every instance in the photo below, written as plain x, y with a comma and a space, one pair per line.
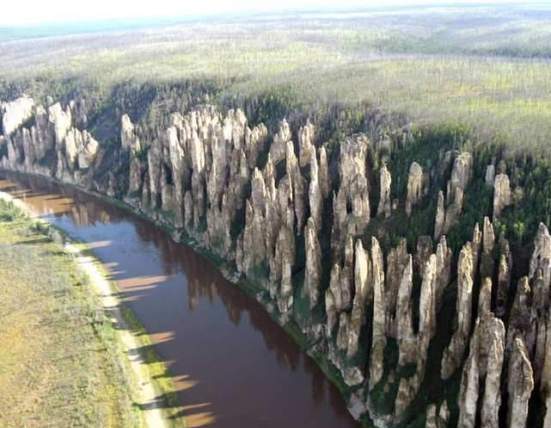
502, 194
484, 365
453, 355
294, 218
415, 187
15, 113
384, 195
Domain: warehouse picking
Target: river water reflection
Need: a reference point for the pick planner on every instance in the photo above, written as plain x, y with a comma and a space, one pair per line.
234, 367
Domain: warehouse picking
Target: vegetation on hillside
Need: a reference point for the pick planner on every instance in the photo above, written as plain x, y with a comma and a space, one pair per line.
486, 66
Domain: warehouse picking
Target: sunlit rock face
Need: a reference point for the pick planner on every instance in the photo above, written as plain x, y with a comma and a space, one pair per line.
390, 299
484, 365
15, 113
313, 263
502, 194
453, 355
415, 187
449, 208
384, 198
51, 145
521, 384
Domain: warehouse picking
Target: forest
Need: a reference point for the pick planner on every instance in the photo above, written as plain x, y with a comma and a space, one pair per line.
407, 147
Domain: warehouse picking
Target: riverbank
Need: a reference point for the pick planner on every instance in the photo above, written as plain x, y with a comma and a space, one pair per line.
50, 369
247, 286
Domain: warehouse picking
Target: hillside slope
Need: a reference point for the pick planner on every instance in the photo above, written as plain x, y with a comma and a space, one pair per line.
415, 261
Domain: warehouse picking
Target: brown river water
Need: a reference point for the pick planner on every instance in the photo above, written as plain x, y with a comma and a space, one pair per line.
233, 365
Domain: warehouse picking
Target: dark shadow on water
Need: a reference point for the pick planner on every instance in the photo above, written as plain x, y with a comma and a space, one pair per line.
232, 364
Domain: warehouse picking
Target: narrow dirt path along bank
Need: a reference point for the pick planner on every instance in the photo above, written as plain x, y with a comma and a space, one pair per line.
63, 360
233, 366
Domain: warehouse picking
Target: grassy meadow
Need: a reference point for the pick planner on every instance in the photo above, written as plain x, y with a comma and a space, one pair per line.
59, 359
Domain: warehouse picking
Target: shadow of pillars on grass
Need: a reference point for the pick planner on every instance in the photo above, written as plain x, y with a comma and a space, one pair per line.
230, 362
194, 415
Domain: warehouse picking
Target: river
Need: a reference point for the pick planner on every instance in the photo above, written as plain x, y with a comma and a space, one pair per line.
233, 365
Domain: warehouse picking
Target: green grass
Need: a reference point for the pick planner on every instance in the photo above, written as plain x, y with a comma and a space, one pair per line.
60, 362
93, 353
157, 370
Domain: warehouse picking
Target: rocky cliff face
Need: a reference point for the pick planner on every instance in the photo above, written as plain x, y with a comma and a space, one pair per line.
15, 113
51, 146
397, 319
